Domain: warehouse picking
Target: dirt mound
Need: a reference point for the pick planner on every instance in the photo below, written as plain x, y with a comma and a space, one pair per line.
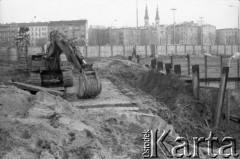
46, 105
13, 101
46, 127
51, 128
119, 57
11, 71
164, 87
121, 131
187, 115
123, 69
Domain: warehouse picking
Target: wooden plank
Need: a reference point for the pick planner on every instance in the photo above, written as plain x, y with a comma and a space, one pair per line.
195, 79
188, 64
30, 87
230, 79
221, 65
234, 118
238, 73
205, 65
221, 95
171, 57
228, 106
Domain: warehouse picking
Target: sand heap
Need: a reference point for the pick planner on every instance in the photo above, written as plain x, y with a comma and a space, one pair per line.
122, 69
43, 126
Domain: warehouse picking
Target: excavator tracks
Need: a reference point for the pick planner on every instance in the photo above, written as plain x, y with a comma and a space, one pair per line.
67, 78
35, 79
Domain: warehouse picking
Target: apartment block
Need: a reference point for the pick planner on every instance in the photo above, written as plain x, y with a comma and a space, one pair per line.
227, 36
73, 29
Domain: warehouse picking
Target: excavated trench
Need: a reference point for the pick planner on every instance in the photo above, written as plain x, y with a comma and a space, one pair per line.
177, 105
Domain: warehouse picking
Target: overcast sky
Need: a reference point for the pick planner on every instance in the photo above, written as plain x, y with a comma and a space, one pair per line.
104, 12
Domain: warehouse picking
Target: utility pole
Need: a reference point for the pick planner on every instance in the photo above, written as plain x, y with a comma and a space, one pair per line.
173, 9
201, 34
201, 30
238, 25
137, 12
238, 10
137, 21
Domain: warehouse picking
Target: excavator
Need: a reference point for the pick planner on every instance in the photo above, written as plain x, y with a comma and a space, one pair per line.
55, 67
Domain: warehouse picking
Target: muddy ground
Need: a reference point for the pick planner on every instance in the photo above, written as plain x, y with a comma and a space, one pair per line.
49, 127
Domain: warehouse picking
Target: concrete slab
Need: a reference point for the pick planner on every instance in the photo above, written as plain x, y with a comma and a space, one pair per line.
110, 96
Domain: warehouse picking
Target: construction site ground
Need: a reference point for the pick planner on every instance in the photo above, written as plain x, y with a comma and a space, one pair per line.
110, 126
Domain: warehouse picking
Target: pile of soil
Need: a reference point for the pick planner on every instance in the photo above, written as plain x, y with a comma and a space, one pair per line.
44, 126
13, 101
11, 71
164, 87
188, 115
122, 69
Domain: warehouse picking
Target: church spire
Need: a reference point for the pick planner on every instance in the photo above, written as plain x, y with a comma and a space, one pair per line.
146, 13
157, 19
146, 18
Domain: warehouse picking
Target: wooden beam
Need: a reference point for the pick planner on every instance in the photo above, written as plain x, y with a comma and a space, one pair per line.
171, 58
159, 65
221, 96
168, 67
205, 62
231, 79
31, 87
188, 64
238, 73
195, 79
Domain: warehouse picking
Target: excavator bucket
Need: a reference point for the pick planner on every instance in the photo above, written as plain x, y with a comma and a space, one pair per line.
89, 84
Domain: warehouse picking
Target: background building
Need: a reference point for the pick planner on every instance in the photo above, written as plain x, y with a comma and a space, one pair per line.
226, 36
7, 34
207, 35
73, 29
125, 36
98, 35
38, 32
186, 33
161, 34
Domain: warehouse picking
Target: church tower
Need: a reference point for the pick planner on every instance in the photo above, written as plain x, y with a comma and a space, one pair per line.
146, 18
157, 19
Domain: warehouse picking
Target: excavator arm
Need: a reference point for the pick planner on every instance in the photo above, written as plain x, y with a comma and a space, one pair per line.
59, 44
89, 83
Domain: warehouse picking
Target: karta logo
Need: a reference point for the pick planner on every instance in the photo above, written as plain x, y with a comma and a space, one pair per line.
182, 146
